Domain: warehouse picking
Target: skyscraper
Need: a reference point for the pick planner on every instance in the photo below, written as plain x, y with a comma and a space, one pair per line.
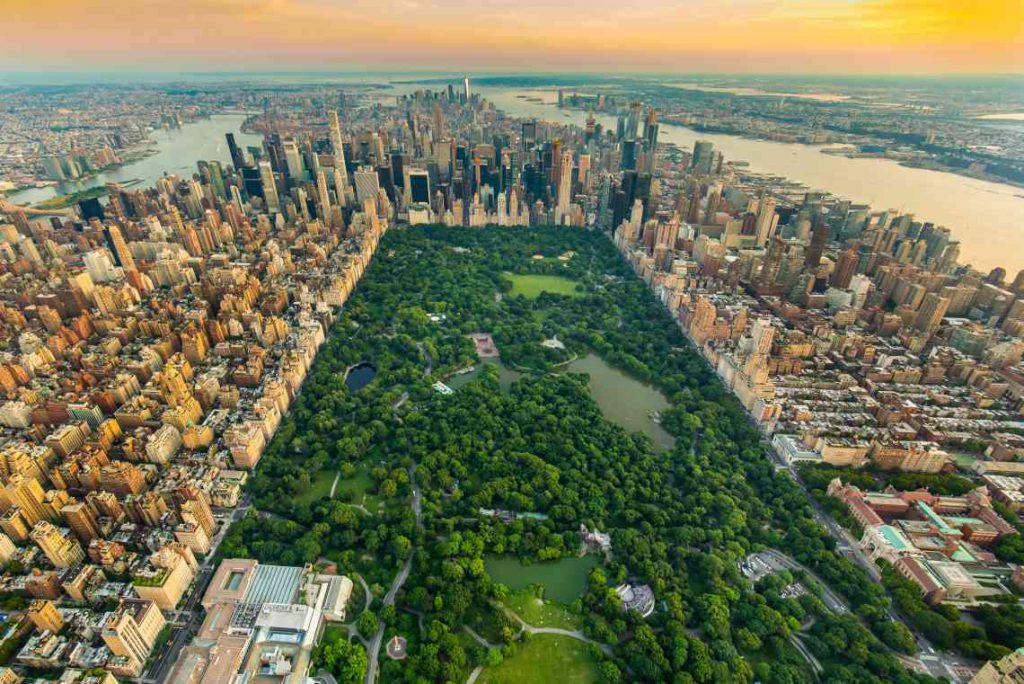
564, 186
367, 184
325, 199
846, 267
819, 236
269, 187
650, 140
929, 316
633, 121
293, 161
122, 254
237, 157
703, 155
340, 166
766, 222
418, 185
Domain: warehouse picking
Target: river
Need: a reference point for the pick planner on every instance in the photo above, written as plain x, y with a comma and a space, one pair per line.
987, 218
178, 150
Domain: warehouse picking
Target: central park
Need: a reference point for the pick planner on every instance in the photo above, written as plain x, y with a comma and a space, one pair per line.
455, 488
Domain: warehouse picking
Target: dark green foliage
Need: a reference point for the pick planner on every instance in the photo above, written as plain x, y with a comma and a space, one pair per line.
679, 520
346, 661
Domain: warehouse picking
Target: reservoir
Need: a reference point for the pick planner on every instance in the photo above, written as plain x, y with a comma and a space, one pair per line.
624, 400
178, 150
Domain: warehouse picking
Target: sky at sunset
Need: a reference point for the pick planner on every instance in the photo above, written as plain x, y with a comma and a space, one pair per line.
795, 36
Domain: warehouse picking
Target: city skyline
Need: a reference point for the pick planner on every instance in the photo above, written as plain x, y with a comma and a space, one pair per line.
748, 36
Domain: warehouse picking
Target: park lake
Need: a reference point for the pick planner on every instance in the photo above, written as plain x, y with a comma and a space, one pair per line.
506, 375
564, 580
624, 400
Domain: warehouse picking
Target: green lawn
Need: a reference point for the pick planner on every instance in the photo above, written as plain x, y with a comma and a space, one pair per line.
320, 488
564, 580
358, 485
545, 658
539, 612
334, 632
530, 286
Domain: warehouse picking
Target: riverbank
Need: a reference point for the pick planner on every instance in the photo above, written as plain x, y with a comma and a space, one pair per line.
174, 151
928, 164
963, 204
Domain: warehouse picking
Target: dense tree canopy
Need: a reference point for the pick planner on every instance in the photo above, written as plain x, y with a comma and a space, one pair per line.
679, 520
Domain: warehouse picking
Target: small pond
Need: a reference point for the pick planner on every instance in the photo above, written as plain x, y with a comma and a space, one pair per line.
359, 376
506, 376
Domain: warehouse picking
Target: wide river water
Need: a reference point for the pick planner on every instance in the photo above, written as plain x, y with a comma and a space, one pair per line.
177, 151
987, 218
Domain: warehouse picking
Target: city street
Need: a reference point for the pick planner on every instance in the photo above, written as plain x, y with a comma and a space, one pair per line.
186, 620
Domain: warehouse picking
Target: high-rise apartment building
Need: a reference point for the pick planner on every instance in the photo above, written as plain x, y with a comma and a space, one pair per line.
929, 316
82, 521
57, 544
44, 615
340, 165
28, 496
132, 630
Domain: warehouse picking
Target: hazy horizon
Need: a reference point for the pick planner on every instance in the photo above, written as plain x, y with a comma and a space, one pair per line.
136, 76
658, 36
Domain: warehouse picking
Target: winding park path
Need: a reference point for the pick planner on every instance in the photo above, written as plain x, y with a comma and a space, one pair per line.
526, 627
366, 591
373, 648
479, 639
571, 633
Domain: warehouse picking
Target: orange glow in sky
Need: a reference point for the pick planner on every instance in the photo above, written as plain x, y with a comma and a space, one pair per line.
798, 36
